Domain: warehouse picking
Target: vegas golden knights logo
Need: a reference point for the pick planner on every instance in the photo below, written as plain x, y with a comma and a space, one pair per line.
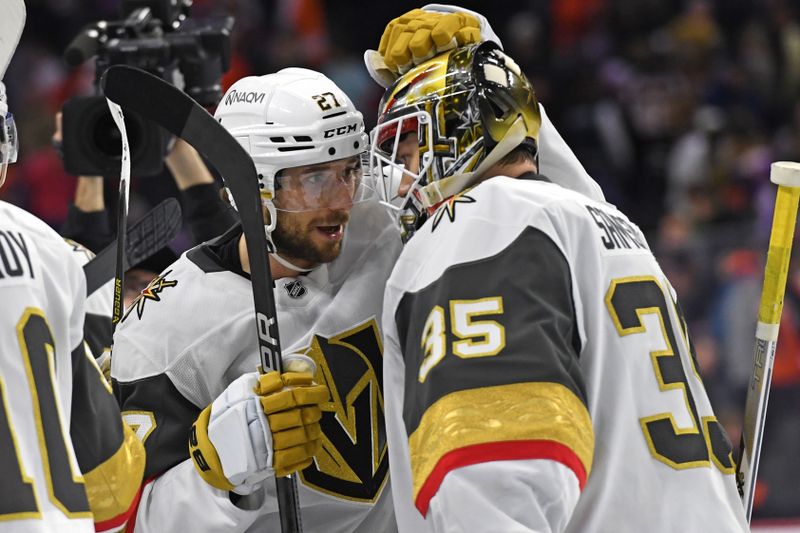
353, 463
151, 292
449, 208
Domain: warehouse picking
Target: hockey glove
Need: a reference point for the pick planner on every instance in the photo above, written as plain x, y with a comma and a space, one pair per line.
421, 34
262, 425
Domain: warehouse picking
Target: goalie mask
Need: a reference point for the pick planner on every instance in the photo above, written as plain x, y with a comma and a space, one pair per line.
297, 118
443, 124
8, 136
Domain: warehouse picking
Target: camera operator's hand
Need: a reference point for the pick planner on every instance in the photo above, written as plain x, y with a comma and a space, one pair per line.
89, 189
203, 210
186, 166
89, 194
87, 220
261, 425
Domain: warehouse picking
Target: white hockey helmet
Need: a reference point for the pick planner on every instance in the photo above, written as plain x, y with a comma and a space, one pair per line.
295, 117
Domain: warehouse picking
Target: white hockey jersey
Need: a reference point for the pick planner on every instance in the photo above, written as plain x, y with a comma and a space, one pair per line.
538, 375
42, 323
192, 332
63, 452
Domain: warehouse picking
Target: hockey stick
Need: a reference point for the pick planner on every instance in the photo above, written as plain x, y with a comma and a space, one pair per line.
147, 236
122, 215
12, 21
176, 112
787, 176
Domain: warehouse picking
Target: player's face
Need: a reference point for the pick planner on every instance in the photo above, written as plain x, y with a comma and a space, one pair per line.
311, 236
408, 156
401, 153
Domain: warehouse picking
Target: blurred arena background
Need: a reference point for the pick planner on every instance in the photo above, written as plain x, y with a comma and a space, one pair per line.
676, 107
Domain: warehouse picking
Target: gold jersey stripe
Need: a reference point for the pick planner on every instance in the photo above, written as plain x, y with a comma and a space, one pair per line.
515, 412
113, 484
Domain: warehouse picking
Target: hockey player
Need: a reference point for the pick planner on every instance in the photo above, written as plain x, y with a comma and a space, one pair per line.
68, 461
538, 375
185, 354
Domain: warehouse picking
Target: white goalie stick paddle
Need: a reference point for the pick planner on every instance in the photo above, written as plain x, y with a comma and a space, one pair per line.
12, 21
147, 236
787, 176
176, 112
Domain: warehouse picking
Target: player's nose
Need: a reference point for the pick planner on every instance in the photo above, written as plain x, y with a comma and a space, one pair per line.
342, 195
405, 185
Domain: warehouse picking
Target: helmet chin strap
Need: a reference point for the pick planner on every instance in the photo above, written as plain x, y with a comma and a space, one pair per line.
437, 192
268, 229
285, 262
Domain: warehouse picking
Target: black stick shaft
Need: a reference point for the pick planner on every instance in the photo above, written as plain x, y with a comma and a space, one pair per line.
119, 277
288, 504
269, 339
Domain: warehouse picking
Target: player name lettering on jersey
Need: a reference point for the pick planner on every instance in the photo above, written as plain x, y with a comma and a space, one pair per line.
617, 234
15, 256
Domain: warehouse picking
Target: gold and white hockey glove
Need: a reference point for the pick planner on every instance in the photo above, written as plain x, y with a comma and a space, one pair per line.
262, 425
421, 34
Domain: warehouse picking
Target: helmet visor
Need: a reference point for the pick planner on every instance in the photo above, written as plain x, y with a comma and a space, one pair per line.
333, 185
8, 144
8, 139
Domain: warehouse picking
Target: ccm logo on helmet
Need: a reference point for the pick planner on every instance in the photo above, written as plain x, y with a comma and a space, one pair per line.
341, 130
250, 97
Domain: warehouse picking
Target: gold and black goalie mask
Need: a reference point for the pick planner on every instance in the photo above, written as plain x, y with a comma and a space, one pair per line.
444, 123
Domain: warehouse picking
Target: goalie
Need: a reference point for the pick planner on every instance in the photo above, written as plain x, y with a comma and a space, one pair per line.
538, 372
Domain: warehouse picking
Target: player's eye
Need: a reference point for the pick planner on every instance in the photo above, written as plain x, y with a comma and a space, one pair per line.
352, 173
314, 179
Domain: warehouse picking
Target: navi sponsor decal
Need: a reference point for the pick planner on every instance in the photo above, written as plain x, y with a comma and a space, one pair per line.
250, 97
151, 292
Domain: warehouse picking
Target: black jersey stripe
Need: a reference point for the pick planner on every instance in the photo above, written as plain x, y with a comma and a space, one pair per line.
95, 424
542, 344
172, 415
97, 332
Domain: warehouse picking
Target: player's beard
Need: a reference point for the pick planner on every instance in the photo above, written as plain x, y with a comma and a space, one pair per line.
293, 237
